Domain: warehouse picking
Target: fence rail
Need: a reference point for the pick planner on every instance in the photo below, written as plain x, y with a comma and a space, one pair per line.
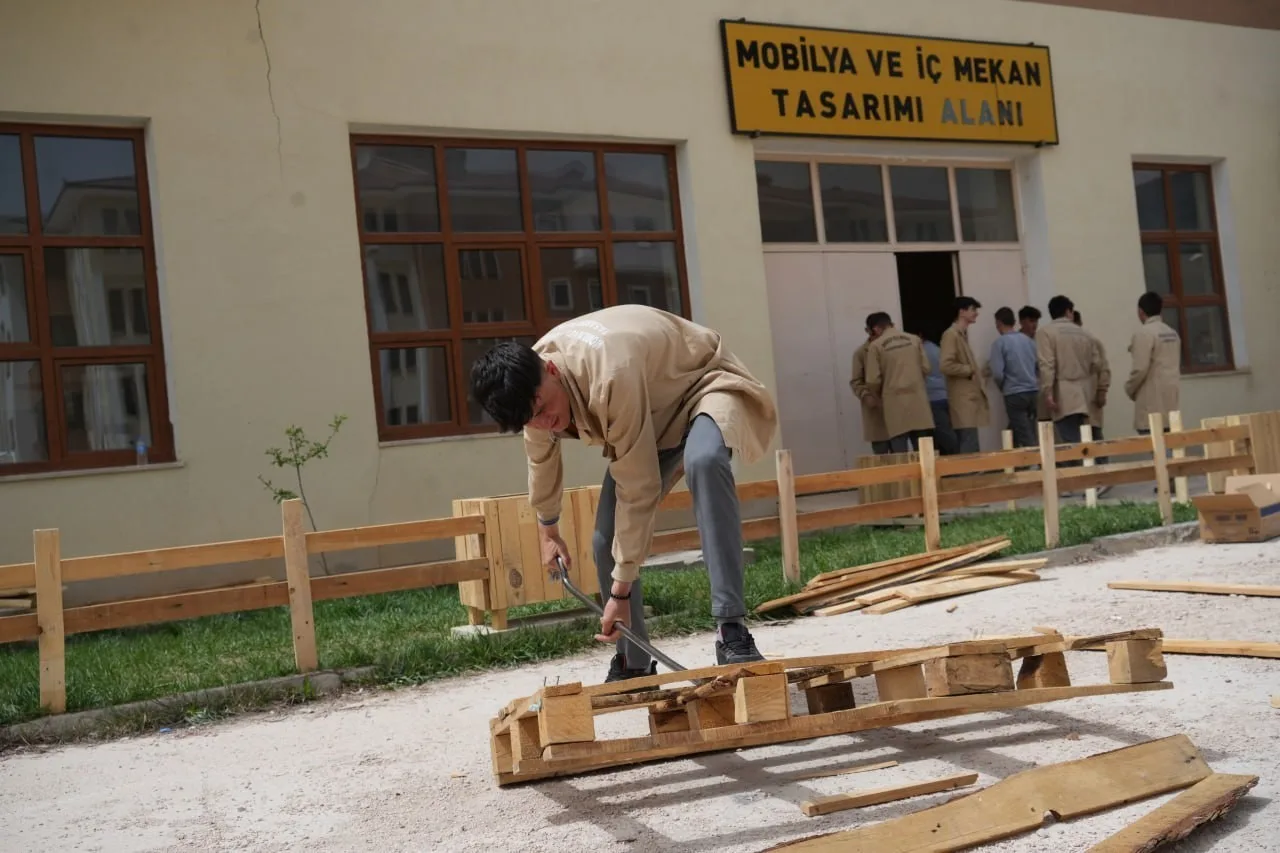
488, 559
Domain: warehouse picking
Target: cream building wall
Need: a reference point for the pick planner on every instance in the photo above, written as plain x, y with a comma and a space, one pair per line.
259, 265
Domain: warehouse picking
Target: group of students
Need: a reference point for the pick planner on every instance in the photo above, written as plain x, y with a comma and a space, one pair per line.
910, 388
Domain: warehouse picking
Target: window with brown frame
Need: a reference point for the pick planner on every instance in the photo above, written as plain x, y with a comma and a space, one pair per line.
1182, 261
468, 242
81, 358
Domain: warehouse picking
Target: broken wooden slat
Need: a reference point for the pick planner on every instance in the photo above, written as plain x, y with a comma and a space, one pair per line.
1207, 800
1205, 588
887, 794
962, 586
1018, 804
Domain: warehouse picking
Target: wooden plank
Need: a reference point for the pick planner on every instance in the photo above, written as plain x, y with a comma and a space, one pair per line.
755, 490
1006, 441
960, 586
17, 576
1205, 588
171, 559
761, 698
865, 576
964, 674
1156, 422
1138, 445
919, 656
842, 771
1206, 435
997, 460
1205, 801
1223, 465
1018, 804
416, 576
298, 574
1135, 662
886, 607
929, 495
49, 618
887, 794
843, 574
400, 533
473, 594
516, 564
1180, 493
1225, 648
1264, 441
981, 496
1095, 641
1048, 472
566, 718
1091, 493
860, 514
996, 568
843, 481
688, 538
787, 517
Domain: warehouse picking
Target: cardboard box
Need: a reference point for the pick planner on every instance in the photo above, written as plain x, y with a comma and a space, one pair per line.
1248, 510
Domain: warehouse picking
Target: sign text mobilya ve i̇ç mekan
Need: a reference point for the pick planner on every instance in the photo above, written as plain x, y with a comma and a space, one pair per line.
816, 82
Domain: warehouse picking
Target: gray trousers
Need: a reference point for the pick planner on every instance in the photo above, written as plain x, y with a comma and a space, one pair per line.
944, 437
967, 440
1021, 409
1068, 430
719, 519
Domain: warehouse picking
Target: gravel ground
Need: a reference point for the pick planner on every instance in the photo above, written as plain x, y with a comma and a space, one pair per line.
409, 770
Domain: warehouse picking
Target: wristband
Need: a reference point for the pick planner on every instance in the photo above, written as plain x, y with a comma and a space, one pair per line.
549, 523
626, 597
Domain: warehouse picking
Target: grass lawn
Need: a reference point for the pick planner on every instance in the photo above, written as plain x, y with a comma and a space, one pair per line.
406, 635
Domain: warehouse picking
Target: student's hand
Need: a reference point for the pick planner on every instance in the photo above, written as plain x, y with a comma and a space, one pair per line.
552, 546
1101, 400
615, 610
873, 401
1050, 403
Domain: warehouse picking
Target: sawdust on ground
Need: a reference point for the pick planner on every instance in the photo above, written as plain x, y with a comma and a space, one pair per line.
409, 770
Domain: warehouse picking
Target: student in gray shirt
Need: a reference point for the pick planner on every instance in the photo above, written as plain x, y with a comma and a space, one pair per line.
936, 386
1015, 371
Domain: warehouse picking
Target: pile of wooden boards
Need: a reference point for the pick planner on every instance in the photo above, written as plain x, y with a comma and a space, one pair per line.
17, 599
904, 581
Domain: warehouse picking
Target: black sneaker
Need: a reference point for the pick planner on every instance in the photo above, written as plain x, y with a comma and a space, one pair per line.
618, 670
737, 645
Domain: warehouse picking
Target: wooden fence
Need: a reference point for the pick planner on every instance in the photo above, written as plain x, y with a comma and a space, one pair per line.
492, 538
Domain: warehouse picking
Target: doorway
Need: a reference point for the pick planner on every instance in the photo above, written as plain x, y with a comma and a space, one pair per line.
927, 289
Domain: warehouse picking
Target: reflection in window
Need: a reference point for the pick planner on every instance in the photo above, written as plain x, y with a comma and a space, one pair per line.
569, 276
1149, 186
79, 284
22, 425
639, 191
563, 186
415, 385
1192, 209
472, 349
1207, 336
921, 204
15, 327
397, 186
1155, 268
484, 189
492, 284
985, 198
786, 202
13, 210
407, 289
1196, 261
106, 405
853, 208
647, 275
79, 177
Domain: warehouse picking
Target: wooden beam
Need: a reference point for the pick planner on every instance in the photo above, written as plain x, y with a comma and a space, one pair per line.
929, 496
171, 559
1049, 494
1006, 442
1156, 421
1225, 648
754, 491
787, 517
1180, 493
400, 533
887, 794
298, 575
17, 576
1091, 493
860, 514
1207, 800
856, 478
1204, 588
1133, 446
49, 617
996, 460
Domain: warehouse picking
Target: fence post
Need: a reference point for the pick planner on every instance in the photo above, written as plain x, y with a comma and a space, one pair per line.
929, 495
298, 575
1086, 437
1006, 443
1049, 473
1156, 421
1233, 449
53, 661
787, 517
1180, 489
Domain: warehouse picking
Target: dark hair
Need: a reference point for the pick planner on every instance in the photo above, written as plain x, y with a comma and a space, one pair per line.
964, 302
504, 381
1059, 306
1004, 316
1028, 312
1151, 303
878, 319
1079, 319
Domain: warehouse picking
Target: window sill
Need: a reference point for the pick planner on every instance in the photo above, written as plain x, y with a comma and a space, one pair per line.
90, 472
439, 439
1217, 374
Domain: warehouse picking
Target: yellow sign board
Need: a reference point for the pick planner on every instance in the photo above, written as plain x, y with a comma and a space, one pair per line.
814, 82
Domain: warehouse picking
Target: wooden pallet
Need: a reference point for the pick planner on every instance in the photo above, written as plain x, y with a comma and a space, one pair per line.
553, 732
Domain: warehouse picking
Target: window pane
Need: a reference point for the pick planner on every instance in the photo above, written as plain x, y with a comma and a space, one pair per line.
415, 386
79, 179
1148, 184
1191, 208
79, 283
639, 191
1196, 260
13, 203
563, 186
14, 326
985, 198
397, 186
484, 189
921, 204
786, 202
571, 282
472, 349
647, 274
105, 406
1155, 267
22, 427
492, 285
852, 203
1207, 336
1172, 318
406, 284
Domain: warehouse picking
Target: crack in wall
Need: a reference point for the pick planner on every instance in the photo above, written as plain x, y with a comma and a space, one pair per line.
271, 95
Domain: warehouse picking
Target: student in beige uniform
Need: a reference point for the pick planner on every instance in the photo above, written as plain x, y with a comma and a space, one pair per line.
1073, 372
1157, 365
1099, 401
874, 431
965, 391
896, 372
656, 393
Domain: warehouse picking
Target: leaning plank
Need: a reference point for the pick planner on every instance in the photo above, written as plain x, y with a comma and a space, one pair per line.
1018, 804
887, 794
1207, 800
1206, 588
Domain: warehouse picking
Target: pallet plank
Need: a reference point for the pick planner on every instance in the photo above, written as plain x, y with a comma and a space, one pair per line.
1204, 588
887, 794
1207, 800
